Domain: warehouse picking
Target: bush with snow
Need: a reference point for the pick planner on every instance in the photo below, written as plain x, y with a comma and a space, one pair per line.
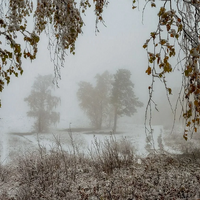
106, 174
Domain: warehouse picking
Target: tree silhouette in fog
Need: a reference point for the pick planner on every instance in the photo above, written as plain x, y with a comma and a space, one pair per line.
95, 101
176, 37
109, 99
123, 97
42, 103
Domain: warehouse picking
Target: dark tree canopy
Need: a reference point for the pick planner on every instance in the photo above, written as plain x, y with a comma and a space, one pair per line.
42, 103
95, 100
123, 97
109, 99
86, 95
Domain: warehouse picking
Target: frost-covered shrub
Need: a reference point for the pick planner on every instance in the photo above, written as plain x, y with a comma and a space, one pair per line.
111, 154
4, 173
180, 145
43, 175
160, 143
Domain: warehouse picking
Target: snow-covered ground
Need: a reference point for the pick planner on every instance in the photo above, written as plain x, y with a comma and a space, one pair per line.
16, 137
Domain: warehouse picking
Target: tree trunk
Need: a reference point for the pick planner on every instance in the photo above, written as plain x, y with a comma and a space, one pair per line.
101, 117
115, 121
39, 124
98, 125
100, 122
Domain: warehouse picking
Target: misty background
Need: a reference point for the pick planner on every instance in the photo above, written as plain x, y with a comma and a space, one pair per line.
74, 160
118, 45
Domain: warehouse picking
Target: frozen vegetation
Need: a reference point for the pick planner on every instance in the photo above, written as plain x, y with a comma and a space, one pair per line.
90, 164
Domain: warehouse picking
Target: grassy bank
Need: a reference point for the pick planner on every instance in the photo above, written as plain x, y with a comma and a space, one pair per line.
110, 171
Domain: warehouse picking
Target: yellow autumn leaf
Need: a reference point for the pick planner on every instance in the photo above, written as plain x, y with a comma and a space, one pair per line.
148, 71
185, 136
188, 124
144, 46
169, 90
196, 103
162, 42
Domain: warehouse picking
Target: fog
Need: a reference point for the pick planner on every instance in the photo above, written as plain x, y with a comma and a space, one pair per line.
118, 45
81, 157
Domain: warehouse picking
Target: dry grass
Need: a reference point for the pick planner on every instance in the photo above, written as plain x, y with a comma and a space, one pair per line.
112, 154
110, 172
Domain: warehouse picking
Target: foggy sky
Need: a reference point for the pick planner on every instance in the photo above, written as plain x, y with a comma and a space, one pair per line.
118, 45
